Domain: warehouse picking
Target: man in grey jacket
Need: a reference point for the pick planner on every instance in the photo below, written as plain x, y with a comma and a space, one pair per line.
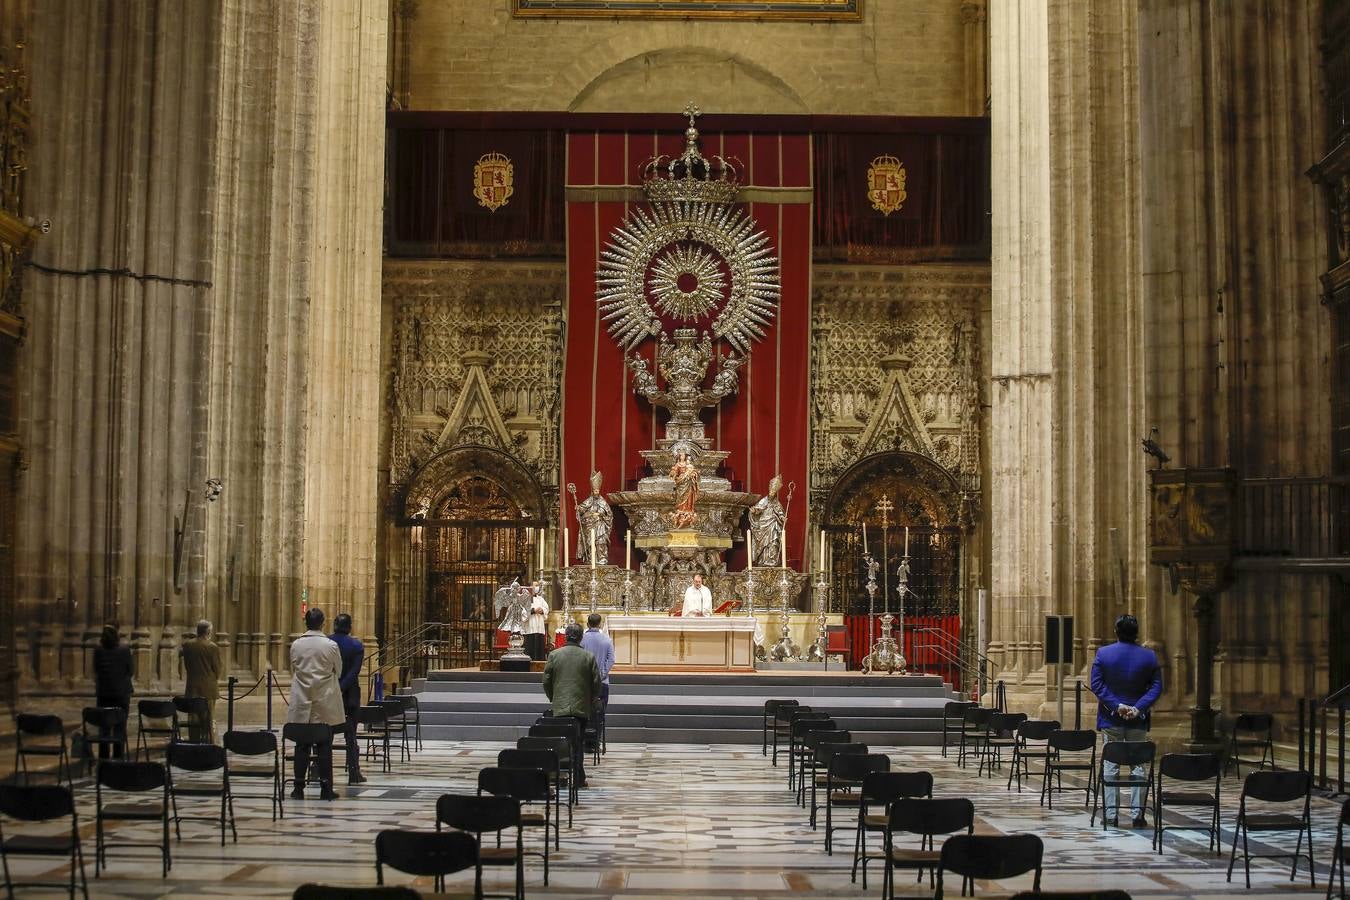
572, 683
316, 665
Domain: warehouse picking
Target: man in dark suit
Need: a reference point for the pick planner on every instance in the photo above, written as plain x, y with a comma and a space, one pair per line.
1127, 681
349, 682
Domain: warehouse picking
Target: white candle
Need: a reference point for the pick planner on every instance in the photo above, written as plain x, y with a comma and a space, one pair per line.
628, 551
782, 543
592, 548
567, 545
749, 551
906, 540
821, 556
864, 539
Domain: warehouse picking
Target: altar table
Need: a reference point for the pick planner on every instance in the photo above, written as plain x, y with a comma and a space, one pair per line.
710, 644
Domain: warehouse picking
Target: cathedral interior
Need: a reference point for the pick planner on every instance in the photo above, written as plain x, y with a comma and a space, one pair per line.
327, 304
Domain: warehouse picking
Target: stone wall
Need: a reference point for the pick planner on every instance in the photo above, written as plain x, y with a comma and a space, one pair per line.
919, 57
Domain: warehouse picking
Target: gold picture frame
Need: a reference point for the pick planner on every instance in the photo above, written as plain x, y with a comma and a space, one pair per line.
801, 10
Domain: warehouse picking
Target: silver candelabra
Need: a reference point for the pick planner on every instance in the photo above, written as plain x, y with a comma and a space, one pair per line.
817, 651
884, 655
627, 588
595, 589
784, 650
567, 595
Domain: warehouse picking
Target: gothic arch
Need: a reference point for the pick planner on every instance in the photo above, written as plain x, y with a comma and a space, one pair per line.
430, 484
924, 492
636, 83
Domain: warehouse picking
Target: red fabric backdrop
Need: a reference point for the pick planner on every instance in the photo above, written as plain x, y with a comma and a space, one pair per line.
765, 425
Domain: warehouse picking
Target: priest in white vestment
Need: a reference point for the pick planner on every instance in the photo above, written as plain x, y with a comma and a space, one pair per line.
697, 599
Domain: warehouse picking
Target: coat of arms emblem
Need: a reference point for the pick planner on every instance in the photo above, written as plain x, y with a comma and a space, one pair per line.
886, 184
493, 180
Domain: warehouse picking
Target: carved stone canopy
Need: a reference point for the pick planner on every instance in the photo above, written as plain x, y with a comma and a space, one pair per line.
925, 492
434, 479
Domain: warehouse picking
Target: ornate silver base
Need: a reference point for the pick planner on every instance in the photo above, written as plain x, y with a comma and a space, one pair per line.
885, 656
515, 647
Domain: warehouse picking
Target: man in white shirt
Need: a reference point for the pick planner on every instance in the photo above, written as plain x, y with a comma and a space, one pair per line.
697, 598
536, 623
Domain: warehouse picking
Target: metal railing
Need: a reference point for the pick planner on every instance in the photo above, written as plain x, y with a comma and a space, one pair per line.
1314, 725
932, 647
414, 649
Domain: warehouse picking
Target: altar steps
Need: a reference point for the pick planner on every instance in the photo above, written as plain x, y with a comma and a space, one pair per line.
463, 705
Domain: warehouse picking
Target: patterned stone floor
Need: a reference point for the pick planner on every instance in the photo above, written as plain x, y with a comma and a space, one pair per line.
660, 821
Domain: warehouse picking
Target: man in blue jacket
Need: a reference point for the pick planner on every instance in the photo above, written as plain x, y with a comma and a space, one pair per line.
349, 682
1127, 681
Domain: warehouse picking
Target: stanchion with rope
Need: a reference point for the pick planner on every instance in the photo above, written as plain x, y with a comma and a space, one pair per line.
231, 698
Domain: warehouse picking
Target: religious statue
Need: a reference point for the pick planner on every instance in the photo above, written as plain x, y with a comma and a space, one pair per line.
596, 520
766, 525
512, 603
686, 478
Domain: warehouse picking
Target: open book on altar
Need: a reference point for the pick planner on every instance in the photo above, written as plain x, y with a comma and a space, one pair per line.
724, 608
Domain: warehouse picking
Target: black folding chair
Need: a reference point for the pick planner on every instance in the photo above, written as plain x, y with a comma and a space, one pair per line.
974, 729
928, 819
1000, 734
193, 715
138, 778
843, 786
560, 748
990, 857
771, 708
1126, 755
397, 726
569, 730
155, 720
372, 726
883, 788
825, 754
477, 815
1069, 751
1274, 787
1338, 852
953, 713
1191, 768
294, 733
1033, 736
801, 727
428, 854
527, 786
262, 760
110, 723
806, 760
782, 722
40, 803
545, 761
1251, 731
41, 736
412, 718
198, 761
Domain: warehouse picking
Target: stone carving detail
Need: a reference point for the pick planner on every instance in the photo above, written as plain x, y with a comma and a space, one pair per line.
474, 358
896, 366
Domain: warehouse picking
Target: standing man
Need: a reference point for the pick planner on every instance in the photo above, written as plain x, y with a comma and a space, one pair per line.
112, 682
536, 623
353, 652
316, 666
572, 683
1127, 681
201, 663
697, 598
602, 648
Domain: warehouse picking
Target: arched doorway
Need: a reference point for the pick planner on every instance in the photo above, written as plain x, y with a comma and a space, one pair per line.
902, 498
476, 517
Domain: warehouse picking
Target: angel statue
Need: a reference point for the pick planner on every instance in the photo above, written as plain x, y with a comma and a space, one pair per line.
512, 603
766, 525
596, 519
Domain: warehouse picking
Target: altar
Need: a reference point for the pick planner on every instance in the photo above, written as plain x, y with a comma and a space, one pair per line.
715, 643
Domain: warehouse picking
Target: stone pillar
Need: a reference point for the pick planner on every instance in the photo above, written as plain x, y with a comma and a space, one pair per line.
975, 37
1067, 489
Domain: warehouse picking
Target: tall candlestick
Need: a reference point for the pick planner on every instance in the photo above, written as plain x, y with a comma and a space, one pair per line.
592, 548
906, 540
782, 543
628, 551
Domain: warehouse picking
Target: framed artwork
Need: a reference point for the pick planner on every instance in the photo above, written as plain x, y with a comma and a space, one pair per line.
817, 10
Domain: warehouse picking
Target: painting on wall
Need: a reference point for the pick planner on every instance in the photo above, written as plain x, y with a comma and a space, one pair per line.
818, 10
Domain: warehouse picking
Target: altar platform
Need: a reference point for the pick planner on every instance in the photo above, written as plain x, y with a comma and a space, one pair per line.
689, 707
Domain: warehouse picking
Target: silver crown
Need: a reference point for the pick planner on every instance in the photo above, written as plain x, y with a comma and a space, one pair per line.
690, 177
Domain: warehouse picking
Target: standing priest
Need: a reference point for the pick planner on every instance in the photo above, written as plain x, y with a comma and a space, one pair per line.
697, 598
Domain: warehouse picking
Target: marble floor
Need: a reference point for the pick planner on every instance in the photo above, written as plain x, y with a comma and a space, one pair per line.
659, 821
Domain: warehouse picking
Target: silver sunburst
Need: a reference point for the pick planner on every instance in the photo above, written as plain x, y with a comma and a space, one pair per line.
727, 233
689, 263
